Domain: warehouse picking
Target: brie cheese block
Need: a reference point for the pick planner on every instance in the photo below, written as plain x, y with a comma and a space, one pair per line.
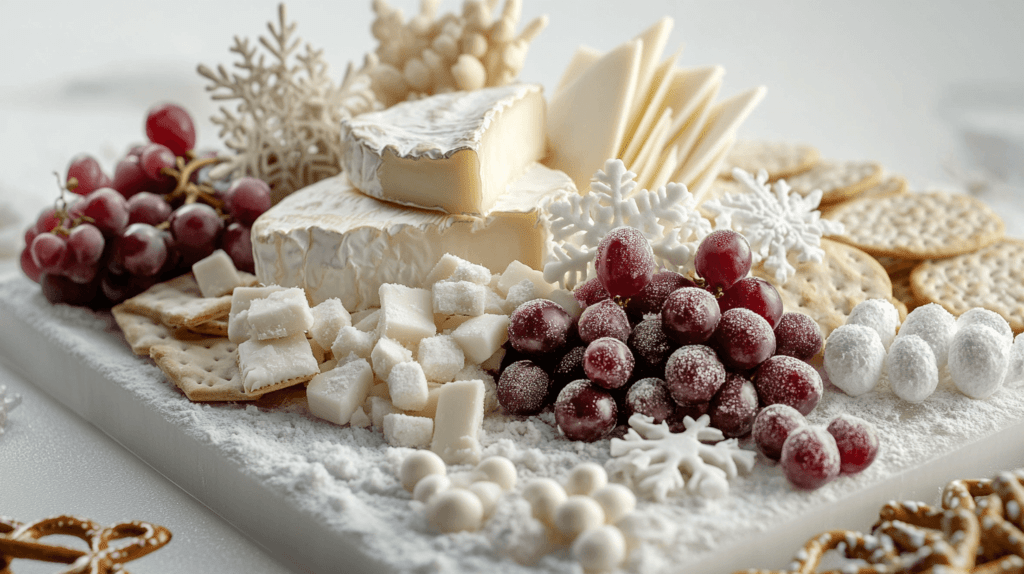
452, 152
334, 241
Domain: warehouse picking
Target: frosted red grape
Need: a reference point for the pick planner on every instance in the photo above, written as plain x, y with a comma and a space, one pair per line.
604, 319
129, 178
787, 380
60, 289
539, 327
693, 374
585, 412
772, 426
590, 292
237, 243
810, 457
722, 258
608, 362
141, 250
170, 125
649, 342
107, 209
733, 409
743, 339
146, 207
28, 266
247, 199
755, 294
624, 261
650, 397
652, 298
196, 227
797, 335
690, 315
49, 252
154, 159
87, 172
523, 388
857, 441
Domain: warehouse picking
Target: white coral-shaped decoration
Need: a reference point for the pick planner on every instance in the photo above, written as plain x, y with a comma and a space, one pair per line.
286, 126
433, 55
667, 217
656, 462
775, 221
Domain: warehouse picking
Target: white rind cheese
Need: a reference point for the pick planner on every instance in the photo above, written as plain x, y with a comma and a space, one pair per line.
451, 152
333, 241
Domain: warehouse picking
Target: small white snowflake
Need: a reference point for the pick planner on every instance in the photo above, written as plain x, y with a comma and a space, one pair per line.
775, 221
6, 406
667, 217
652, 459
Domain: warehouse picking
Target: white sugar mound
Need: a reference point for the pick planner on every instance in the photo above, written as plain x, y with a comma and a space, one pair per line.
878, 314
978, 359
854, 357
991, 319
933, 324
910, 364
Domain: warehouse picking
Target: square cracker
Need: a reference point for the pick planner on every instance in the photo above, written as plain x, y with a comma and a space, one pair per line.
178, 302
205, 369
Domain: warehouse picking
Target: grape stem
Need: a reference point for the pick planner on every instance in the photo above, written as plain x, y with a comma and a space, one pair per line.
192, 192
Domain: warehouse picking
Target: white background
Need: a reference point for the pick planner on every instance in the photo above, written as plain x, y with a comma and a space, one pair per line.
933, 90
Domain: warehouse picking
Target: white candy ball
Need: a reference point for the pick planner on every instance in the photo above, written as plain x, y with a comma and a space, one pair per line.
913, 374
991, 319
978, 359
933, 324
577, 514
1015, 372
617, 500
497, 469
455, 510
544, 496
601, 549
878, 314
418, 465
488, 492
430, 485
854, 357
586, 478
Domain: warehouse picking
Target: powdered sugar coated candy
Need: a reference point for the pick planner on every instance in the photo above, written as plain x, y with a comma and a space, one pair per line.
978, 359
624, 261
455, 510
733, 409
544, 496
797, 335
789, 381
585, 478
578, 514
496, 469
488, 492
539, 326
430, 485
600, 549
418, 465
933, 324
604, 319
913, 374
810, 457
854, 357
693, 374
878, 314
991, 319
523, 388
773, 425
857, 441
651, 397
617, 500
743, 339
1015, 371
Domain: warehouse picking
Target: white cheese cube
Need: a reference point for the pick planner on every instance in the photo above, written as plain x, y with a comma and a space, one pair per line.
386, 354
406, 314
335, 395
359, 419
367, 319
518, 294
319, 352
516, 272
280, 314
328, 365
481, 336
443, 269
475, 373
352, 341
276, 363
380, 408
406, 431
494, 304
567, 301
238, 319
380, 389
430, 409
493, 363
448, 323
407, 386
460, 412
328, 318
459, 298
466, 271
441, 358
216, 274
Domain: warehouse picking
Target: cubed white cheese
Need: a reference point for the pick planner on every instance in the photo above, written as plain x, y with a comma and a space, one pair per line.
386, 354
406, 313
406, 431
459, 298
336, 394
328, 318
280, 314
441, 358
351, 340
216, 274
516, 272
481, 336
460, 412
273, 362
407, 386
238, 319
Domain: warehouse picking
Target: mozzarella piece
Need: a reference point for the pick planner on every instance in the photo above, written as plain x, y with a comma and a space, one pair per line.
276, 362
280, 314
460, 412
216, 274
336, 394
452, 152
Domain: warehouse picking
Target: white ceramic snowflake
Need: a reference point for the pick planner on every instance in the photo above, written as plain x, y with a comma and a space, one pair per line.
667, 217
656, 462
774, 221
6, 406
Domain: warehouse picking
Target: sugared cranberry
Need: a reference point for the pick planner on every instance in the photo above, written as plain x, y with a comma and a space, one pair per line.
722, 258
797, 335
652, 298
690, 315
743, 339
523, 388
539, 327
584, 411
624, 261
733, 409
788, 381
755, 294
608, 362
773, 425
857, 441
590, 292
650, 397
604, 319
694, 374
810, 457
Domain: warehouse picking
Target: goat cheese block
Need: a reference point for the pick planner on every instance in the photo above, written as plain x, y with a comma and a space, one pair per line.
334, 241
452, 152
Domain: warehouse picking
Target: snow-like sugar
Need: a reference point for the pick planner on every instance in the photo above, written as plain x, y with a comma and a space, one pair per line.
407, 386
910, 365
991, 319
353, 341
854, 357
933, 324
328, 318
1015, 370
386, 354
978, 358
459, 298
441, 358
880, 315
402, 430
520, 293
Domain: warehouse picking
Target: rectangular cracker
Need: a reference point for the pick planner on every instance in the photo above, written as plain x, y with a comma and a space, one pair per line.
205, 369
178, 302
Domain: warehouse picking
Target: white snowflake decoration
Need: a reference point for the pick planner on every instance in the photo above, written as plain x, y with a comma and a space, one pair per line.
775, 221
667, 217
652, 459
6, 406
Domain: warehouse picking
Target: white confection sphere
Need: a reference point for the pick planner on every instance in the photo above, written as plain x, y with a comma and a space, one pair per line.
455, 510
854, 357
913, 374
978, 359
1015, 372
878, 314
577, 514
430, 485
418, 465
601, 549
586, 478
617, 500
544, 496
497, 469
488, 492
990, 319
933, 324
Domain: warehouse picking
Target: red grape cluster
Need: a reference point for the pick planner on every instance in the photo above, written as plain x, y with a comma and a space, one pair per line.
159, 214
661, 344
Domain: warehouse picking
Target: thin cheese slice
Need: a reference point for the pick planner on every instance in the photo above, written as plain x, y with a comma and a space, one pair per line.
725, 118
692, 128
651, 151
702, 183
654, 40
691, 89
582, 59
660, 85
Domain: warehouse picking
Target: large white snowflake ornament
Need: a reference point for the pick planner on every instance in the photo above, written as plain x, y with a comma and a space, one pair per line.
775, 221
667, 217
656, 462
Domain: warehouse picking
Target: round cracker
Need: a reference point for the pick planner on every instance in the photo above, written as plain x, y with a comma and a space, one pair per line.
989, 278
838, 180
889, 185
902, 291
919, 225
828, 291
779, 159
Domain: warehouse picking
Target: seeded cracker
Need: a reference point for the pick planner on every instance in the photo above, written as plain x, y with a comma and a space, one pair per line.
889, 185
781, 160
902, 291
919, 225
178, 302
990, 277
838, 180
216, 327
205, 369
